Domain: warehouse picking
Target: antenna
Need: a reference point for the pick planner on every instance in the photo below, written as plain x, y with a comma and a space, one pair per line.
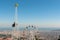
15, 24
16, 16
16, 13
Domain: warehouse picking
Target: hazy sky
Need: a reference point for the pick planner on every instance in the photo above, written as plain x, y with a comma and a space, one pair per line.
37, 12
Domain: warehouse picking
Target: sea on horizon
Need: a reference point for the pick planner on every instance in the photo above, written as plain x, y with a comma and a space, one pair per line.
22, 28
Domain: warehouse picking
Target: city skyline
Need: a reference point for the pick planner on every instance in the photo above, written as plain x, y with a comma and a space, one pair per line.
44, 13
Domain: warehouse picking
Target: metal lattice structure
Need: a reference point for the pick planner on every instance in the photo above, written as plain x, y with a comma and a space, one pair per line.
15, 24
31, 32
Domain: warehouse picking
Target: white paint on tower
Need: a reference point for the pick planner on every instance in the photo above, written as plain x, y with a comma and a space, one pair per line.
16, 15
15, 24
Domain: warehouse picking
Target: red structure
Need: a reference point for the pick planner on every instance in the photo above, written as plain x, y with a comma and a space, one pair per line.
5, 38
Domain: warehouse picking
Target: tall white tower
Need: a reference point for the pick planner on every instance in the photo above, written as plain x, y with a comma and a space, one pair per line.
16, 13
16, 16
15, 24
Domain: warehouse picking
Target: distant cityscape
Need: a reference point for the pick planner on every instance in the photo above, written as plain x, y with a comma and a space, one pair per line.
32, 34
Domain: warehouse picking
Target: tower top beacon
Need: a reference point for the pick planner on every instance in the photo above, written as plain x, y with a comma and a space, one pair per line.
16, 4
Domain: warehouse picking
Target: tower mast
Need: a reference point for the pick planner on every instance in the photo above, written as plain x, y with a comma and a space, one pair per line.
16, 13
15, 24
16, 16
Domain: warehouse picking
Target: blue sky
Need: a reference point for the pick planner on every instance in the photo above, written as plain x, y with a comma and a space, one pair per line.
37, 12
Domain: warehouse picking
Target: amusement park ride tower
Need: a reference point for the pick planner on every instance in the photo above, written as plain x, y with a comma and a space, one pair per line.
16, 16
15, 24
